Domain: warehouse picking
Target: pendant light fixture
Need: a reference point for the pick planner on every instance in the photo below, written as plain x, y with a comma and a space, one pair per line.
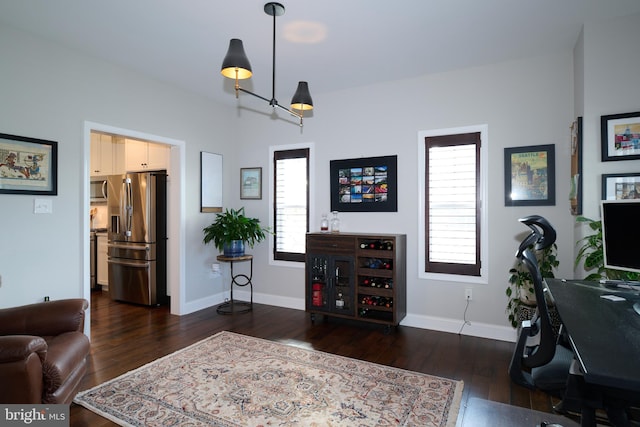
236, 66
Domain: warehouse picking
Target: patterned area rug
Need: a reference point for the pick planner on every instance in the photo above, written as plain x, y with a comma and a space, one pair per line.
235, 380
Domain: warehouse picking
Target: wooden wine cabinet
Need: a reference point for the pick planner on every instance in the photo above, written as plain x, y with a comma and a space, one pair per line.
356, 275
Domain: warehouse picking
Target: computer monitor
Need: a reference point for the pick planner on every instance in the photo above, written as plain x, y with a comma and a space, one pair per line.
621, 234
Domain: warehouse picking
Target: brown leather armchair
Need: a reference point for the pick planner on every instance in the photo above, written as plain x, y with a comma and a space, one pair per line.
43, 351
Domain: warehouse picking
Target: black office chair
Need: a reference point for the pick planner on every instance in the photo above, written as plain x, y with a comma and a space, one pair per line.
539, 360
542, 360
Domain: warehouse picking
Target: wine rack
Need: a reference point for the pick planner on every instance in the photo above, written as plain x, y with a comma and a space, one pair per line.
357, 275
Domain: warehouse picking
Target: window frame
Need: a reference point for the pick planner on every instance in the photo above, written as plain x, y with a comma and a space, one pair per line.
297, 260
482, 222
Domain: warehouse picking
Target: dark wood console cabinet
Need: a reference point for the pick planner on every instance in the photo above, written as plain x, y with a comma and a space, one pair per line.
357, 275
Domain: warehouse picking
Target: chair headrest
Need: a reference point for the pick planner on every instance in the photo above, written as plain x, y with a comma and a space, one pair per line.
542, 234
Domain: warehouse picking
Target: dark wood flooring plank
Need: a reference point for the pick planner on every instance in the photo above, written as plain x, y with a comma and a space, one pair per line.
125, 337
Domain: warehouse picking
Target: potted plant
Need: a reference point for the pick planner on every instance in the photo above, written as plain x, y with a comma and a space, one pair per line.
592, 253
232, 230
520, 290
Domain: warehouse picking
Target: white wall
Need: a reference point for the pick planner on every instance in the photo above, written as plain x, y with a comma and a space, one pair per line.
527, 102
611, 86
49, 92
523, 103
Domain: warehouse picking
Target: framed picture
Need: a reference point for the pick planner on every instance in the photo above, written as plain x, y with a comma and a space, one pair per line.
364, 185
575, 192
28, 165
620, 136
621, 186
210, 182
529, 176
251, 183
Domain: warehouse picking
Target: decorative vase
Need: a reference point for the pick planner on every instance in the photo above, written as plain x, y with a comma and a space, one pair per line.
335, 222
324, 224
233, 249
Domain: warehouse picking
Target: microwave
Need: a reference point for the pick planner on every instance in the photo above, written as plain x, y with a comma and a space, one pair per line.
98, 189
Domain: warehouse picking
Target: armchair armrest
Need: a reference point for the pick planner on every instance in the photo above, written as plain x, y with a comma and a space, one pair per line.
18, 347
21, 360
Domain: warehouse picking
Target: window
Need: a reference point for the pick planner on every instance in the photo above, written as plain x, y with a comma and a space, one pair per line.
452, 191
291, 203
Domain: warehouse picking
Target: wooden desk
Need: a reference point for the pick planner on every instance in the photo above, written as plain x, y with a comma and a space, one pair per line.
232, 306
605, 335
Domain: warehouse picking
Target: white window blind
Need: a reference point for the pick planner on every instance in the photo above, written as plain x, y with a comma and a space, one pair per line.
452, 204
452, 192
291, 204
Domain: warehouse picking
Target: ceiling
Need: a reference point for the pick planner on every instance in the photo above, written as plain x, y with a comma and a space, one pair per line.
332, 44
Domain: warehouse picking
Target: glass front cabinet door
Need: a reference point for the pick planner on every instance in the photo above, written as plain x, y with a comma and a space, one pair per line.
331, 281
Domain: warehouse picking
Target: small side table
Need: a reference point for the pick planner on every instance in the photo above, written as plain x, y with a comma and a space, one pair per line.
232, 306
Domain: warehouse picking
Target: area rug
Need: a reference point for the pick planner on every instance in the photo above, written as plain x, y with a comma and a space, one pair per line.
236, 380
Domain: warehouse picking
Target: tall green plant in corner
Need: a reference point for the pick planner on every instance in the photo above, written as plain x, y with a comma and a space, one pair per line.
591, 253
520, 290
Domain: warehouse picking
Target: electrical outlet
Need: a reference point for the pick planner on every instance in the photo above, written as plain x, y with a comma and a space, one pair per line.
468, 294
42, 206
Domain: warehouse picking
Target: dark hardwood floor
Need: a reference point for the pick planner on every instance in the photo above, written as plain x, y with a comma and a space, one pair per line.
124, 337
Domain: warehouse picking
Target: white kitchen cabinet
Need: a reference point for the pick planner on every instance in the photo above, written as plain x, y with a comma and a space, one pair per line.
118, 152
102, 158
142, 155
102, 268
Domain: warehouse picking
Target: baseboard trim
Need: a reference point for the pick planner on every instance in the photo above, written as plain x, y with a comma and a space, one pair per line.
456, 326
202, 303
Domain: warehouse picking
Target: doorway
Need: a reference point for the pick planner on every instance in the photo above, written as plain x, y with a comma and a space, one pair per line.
175, 210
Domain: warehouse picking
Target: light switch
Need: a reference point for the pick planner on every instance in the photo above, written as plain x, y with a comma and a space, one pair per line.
42, 206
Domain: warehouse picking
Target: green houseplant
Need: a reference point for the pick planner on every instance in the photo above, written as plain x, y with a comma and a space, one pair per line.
232, 229
591, 253
520, 289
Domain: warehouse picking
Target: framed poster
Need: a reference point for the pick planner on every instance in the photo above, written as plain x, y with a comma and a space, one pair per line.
621, 186
251, 183
529, 176
620, 136
28, 165
210, 182
575, 192
367, 184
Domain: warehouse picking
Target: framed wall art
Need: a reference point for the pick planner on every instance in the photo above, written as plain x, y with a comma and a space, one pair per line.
621, 186
210, 182
529, 176
367, 184
251, 183
28, 165
620, 137
575, 192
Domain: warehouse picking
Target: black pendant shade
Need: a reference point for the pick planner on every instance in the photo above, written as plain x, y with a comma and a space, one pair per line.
236, 61
302, 98
236, 66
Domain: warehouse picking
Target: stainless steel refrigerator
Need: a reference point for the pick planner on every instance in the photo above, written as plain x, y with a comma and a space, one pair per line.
137, 231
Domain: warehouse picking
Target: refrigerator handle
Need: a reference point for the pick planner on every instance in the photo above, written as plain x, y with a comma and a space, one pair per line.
129, 263
127, 206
